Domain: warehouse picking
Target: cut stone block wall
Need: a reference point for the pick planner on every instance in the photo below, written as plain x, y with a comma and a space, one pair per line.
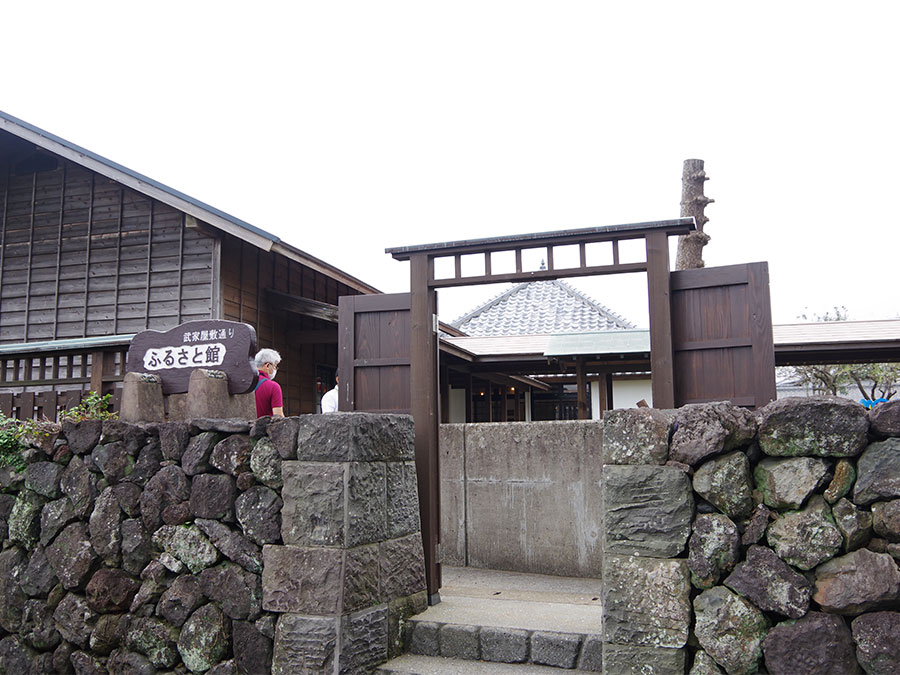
212, 545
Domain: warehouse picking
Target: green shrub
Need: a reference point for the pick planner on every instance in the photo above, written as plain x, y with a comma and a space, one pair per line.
92, 407
10, 448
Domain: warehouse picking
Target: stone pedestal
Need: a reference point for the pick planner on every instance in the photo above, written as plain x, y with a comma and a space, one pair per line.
142, 398
351, 569
207, 397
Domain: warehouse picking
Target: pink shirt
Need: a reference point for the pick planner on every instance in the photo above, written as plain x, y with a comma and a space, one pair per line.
268, 396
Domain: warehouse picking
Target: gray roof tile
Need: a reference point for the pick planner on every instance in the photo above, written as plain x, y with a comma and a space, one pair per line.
540, 307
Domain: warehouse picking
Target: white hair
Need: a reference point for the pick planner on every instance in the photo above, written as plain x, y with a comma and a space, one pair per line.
264, 356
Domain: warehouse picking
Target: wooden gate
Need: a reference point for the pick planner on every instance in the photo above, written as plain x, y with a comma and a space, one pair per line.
722, 335
373, 353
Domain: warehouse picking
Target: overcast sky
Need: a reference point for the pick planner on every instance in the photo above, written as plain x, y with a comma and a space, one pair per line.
348, 127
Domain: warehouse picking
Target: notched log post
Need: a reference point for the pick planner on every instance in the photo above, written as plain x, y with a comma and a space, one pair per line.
693, 202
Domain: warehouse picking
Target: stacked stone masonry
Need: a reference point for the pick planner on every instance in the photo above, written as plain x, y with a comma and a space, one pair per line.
740, 542
213, 546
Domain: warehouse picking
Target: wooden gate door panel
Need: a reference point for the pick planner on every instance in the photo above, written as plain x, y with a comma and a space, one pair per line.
373, 348
722, 335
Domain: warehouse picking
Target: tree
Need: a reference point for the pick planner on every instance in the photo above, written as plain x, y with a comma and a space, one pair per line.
873, 380
690, 246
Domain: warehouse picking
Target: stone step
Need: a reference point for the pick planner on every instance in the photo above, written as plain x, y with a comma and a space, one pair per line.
512, 618
414, 664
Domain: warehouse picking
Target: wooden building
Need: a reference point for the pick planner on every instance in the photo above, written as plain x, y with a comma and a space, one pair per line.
92, 253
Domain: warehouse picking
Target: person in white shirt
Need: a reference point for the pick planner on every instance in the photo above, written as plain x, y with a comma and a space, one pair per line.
330, 399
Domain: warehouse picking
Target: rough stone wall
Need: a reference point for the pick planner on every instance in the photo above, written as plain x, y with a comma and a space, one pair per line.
165, 547
739, 542
522, 496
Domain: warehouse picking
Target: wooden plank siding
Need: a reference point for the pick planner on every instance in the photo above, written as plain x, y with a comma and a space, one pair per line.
247, 273
83, 256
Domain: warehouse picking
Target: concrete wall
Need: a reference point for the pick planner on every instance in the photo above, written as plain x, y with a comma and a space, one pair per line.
626, 393
522, 496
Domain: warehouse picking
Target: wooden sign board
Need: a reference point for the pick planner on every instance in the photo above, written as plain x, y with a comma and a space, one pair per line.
174, 354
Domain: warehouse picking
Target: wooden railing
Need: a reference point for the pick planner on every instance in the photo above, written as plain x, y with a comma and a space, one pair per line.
36, 382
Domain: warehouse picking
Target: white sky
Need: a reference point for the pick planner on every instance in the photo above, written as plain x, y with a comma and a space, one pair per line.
348, 127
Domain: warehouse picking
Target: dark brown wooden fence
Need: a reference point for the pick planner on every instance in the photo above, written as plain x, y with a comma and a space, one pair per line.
37, 385
722, 335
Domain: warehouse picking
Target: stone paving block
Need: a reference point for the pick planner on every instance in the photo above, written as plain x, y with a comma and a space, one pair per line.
636, 436
646, 601
459, 641
302, 580
304, 644
364, 640
591, 658
361, 578
402, 499
424, 639
648, 510
313, 511
366, 503
632, 660
400, 628
402, 566
505, 645
559, 650
355, 437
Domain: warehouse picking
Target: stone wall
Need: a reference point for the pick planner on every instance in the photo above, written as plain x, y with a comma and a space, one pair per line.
522, 496
218, 546
737, 542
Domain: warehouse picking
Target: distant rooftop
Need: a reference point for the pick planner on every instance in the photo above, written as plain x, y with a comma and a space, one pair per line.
540, 307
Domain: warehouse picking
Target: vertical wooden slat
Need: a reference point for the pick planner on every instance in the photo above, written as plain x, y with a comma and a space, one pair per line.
518, 260
59, 245
149, 263
549, 257
615, 251
30, 254
661, 366
457, 266
582, 254
181, 262
487, 263
118, 259
87, 256
25, 402
6, 404
3, 232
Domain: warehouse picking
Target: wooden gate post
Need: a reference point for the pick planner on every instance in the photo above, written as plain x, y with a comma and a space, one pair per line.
424, 391
662, 380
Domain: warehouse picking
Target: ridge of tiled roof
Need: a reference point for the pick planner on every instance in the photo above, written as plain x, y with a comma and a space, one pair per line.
540, 307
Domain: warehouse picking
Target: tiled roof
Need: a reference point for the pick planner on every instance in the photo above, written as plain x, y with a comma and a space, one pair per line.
540, 307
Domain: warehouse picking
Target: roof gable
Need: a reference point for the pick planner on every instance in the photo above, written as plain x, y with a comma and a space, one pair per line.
163, 193
540, 307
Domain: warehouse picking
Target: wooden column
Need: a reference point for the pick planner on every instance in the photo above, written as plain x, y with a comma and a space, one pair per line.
102, 366
424, 391
581, 384
662, 380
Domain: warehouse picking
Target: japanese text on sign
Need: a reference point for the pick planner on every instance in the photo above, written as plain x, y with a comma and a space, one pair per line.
194, 356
